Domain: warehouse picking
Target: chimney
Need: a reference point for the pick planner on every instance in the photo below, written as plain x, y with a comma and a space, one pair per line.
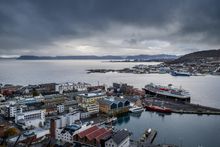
53, 128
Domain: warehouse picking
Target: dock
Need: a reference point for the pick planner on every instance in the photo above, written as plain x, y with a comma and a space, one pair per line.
147, 140
150, 136
182, 107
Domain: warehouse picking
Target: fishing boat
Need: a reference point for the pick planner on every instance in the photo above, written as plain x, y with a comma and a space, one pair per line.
180, 73
158, 109
136, 109
111, 120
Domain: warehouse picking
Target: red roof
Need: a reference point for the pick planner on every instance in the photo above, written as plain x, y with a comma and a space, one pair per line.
96, 133
107, 133
87, 131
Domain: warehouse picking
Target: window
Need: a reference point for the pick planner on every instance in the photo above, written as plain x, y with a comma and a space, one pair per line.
120, 104
127, 103
113, 106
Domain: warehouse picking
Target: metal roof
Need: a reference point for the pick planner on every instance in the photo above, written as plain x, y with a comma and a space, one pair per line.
120, 136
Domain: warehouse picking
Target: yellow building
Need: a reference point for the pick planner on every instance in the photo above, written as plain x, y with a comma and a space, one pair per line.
88, 101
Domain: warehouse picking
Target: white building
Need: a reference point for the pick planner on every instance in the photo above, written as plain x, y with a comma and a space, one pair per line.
66, 134
63, 87
60, 108
35, 118
120, 139
57, 124
81, 86
67, 119
10, 110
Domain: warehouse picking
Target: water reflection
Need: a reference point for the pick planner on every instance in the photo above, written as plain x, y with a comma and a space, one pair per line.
173, 127
137, 115
124, 119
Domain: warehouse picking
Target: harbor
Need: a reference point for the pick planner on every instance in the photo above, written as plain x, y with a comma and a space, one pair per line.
104, 73
161, 122
85, 107
194, 68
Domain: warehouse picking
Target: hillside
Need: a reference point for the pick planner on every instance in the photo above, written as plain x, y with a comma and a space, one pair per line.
207, 55
152, 57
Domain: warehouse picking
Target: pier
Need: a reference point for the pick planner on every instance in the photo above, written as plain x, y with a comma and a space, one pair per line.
150, 136
182, 107
147, 140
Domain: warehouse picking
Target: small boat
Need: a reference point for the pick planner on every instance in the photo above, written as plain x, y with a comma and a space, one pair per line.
111, 120
114, 119
180, 73
158, 109
136, 109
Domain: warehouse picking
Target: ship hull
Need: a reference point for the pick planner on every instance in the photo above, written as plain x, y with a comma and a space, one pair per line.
136, 110
160, 95
158, 109
180, 74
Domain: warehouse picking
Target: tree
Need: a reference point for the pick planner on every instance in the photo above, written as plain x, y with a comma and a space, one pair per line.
11, 132
35, 92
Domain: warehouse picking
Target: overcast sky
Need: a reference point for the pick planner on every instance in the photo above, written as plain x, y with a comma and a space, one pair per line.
104, 27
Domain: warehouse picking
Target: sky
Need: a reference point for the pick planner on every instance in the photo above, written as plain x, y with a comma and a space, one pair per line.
108, 27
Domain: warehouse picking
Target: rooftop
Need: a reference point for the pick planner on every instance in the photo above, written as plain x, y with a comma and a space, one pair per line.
92, 94
95, 133
85, 132
104, 135
111, 100
71, 128
119, 136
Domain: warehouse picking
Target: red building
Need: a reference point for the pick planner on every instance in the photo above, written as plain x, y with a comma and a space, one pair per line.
93, 135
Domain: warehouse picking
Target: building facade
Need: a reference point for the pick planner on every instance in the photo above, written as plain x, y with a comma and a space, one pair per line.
88, 101
81, 86
57, 124
113, 105
10, 110
35, 118
120, 139
60, 108
135, 100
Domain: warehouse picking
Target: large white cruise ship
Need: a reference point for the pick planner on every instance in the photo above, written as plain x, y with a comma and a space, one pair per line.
167, 92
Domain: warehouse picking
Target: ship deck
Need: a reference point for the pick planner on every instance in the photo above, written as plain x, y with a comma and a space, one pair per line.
165, 96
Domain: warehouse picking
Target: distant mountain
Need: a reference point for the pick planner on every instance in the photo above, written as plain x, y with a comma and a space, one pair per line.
93, 57
209, 55
9, 58
89, 57
153, 57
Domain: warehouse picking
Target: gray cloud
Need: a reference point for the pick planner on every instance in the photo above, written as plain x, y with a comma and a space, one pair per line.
108, 26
